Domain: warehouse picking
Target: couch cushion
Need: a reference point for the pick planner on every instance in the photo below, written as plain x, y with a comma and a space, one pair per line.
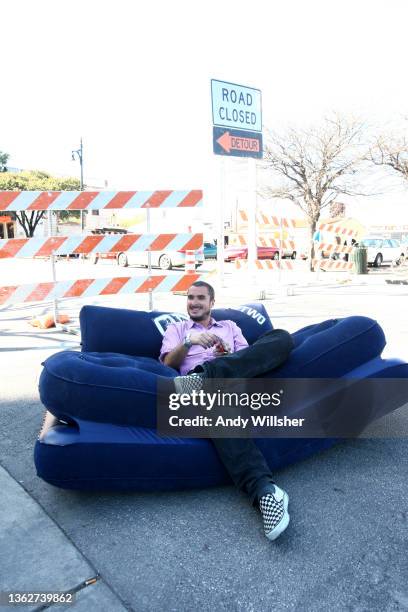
94, 456
104, 387
136, 332
332, 348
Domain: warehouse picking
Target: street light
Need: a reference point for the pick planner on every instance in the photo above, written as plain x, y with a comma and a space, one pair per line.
79, 153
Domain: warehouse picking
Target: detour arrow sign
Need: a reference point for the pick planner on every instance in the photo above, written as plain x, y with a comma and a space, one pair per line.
238, 143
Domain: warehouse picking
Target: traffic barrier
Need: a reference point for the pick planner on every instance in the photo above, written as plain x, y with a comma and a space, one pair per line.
62, 245
96, 243
265, 264
189, 265
98, 200
87, 287
334, 248
278, 222
279, 244
326, 264
265, 242
337, 229
263, 219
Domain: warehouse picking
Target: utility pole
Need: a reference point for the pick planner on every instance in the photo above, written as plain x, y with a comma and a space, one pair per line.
79, 154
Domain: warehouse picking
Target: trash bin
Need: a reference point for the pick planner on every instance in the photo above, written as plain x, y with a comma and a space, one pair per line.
359, 258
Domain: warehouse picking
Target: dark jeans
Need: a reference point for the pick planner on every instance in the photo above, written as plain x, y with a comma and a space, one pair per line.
267, 353
241, 457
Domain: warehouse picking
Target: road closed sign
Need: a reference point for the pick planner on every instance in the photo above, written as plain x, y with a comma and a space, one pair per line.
236, 106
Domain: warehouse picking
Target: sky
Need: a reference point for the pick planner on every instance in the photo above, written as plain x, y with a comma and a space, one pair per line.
133, 79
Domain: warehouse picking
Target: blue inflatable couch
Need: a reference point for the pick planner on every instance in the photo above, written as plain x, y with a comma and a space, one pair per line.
100, 428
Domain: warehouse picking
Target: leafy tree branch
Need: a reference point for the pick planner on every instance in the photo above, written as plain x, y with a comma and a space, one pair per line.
34, 180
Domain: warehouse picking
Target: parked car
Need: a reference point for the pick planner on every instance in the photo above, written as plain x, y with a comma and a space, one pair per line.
241, 252
383, 250
210, 250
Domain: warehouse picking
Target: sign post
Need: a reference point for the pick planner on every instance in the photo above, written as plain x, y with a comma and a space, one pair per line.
220, 223
237, 132
252, 210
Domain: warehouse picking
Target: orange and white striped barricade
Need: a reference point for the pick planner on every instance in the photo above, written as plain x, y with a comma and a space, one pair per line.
335, 249
341, 233
98, 200
263, 222
100, 243
265, 264
190, 262
15, 201
264, 219
242, 240
333, 265
87, 287
279, 244
339, 230
86, 245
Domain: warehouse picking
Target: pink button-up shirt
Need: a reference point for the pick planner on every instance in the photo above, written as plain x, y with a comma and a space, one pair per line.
176, 332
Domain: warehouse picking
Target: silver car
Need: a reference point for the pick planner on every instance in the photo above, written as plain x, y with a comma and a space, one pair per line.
383, 250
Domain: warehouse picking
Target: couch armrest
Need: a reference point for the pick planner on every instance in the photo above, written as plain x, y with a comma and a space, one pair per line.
117, 330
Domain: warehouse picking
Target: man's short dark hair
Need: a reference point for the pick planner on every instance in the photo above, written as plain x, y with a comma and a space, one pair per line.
209, 287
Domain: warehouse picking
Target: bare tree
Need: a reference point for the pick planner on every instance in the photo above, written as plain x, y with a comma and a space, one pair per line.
316, 165
391, 150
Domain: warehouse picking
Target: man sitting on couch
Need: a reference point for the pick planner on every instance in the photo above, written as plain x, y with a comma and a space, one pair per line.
204, 348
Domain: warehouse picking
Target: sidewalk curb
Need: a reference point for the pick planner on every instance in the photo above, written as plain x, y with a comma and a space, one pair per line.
37, 556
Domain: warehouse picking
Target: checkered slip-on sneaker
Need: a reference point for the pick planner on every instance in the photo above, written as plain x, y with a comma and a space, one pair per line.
274, 509
189, 383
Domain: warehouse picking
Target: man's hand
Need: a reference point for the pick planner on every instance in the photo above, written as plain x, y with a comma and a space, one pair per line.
222, 348
208, 340
204, 339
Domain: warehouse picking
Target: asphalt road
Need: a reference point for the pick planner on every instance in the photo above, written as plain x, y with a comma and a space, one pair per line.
345, 549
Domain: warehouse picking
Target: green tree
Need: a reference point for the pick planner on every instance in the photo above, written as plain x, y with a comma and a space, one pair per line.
4, 157
34, 180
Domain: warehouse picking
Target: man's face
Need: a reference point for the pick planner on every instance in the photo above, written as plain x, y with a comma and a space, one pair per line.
199, 303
